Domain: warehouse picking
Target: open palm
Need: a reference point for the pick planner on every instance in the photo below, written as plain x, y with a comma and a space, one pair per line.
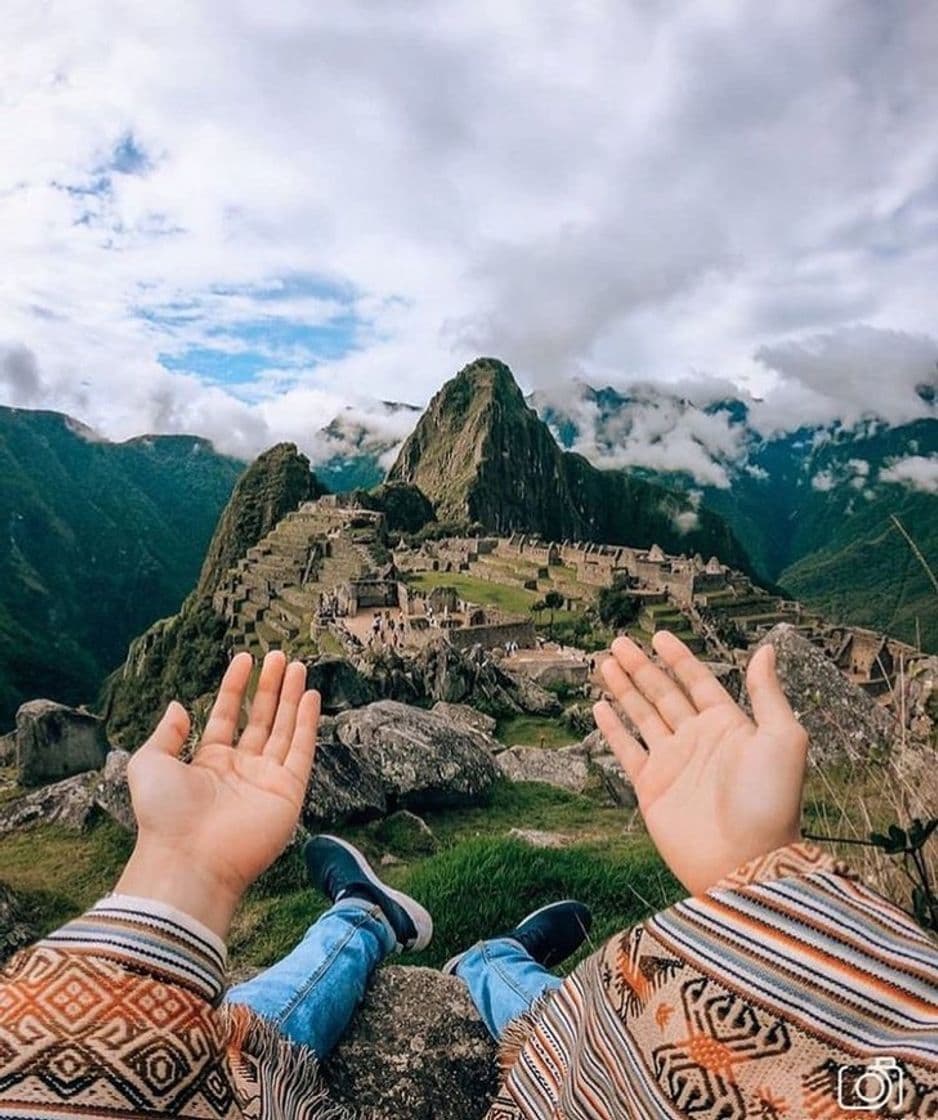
234, 806
715, 787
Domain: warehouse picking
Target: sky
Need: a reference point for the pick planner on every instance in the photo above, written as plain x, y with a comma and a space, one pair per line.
238, 218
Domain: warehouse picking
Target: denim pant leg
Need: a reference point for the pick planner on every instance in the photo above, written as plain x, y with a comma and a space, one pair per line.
504, 981
313, 992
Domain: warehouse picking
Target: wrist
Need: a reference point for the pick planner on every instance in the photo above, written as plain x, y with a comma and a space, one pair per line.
173, 877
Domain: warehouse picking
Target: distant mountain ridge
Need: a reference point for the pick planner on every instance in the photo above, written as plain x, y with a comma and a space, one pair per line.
812, 506
97, 539
481, 455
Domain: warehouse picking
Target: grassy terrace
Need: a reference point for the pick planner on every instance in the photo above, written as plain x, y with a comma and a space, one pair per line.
508, 597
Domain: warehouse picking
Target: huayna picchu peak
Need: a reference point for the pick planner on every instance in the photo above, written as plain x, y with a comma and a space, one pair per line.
482, 456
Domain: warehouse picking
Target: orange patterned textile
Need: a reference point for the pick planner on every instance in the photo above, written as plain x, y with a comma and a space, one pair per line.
789, 992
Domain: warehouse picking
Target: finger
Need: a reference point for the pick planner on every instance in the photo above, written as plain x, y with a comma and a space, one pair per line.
223, 722
264, 707
294, 685
170, 733
299, 760
702, 686
770, 708
653, 729
625, 747
653, 683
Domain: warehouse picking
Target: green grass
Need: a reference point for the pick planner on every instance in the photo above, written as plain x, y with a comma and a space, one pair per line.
59, 874
484, 592
534, 731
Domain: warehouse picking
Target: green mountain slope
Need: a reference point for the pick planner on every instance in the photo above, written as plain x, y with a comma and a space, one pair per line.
480, 454
182, 656
97, 540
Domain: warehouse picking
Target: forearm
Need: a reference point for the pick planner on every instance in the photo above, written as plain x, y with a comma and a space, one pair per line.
182, 882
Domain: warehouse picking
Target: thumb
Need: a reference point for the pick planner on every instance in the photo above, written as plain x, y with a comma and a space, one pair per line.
170, 733
769, 704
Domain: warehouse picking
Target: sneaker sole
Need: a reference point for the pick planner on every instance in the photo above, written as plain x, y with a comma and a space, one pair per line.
449, 969
423, 923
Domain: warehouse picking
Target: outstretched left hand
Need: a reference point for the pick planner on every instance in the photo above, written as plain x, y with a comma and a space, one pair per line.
208, 828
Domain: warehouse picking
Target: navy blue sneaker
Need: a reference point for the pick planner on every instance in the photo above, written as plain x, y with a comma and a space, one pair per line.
549, 935
340, 870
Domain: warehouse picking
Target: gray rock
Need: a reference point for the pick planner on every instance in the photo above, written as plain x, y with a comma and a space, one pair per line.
340, 684
539, 764
112, 793
346, 785
842, 722
416, 1049
531, 698
69, 803
594, 744
463, 715
615, 781
389, 755
730, 676
8, 749
540, 839
55, 742
424, 760
15, 931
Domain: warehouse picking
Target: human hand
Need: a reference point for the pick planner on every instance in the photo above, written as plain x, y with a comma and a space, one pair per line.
715, 787
208, 828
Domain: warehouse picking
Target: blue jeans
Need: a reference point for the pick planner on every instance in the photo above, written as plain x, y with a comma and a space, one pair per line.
503, 981
312, 994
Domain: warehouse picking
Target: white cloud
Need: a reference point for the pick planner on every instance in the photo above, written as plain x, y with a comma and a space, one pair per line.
920, 472
823, 481
618, 191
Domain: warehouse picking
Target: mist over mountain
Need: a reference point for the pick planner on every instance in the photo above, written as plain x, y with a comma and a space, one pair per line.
813, 506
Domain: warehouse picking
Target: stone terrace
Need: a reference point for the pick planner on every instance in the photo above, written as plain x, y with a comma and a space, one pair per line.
274, 595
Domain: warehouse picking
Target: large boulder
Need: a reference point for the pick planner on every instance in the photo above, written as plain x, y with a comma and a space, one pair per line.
540, 764
339, 683
416, 1048
346, 785
464, 715
69, 803
389, 755
841, 720
424, 760
55, 742
112, 793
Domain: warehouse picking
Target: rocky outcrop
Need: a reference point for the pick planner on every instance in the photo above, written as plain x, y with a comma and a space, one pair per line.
439, 672
69, 803
55, 742
842, 721
388, 755
540, 764
464, 715
416, 1049
112, 793
481, 455
339, 683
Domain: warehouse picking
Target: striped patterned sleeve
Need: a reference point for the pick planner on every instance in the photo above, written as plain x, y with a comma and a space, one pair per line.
116, 1012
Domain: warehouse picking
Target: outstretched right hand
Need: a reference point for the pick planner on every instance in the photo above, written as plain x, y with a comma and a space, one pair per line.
715, 787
